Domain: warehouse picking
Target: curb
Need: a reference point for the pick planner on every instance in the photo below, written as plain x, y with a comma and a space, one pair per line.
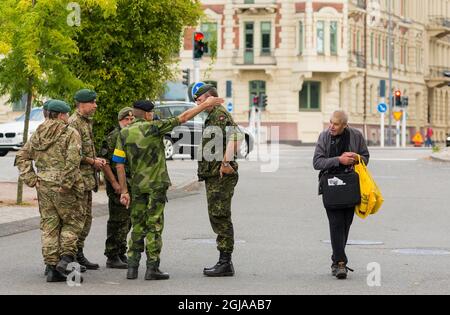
439, 159
186, 189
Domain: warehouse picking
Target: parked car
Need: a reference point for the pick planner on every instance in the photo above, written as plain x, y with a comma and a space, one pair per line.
186, 138
448, 141
11, 133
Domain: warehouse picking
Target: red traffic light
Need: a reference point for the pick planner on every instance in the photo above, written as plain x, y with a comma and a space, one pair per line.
199, 36
398, 93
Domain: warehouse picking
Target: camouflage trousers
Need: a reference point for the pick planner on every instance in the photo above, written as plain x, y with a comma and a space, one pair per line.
219, 193
118, 226
87, 207
62, 220
147, 219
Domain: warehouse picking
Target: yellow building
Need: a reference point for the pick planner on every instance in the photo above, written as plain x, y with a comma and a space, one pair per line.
312, 57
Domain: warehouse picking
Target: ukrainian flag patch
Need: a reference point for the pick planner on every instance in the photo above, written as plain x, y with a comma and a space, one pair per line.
119, 156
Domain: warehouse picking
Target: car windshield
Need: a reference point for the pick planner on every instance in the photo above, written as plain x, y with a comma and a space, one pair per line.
35, 115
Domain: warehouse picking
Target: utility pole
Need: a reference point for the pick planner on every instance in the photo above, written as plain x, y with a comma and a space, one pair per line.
391, 56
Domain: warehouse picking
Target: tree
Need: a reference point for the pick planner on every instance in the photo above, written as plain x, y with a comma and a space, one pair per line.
36, 42
130, 56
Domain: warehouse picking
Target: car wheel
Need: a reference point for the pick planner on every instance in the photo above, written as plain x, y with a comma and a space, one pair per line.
3, 152
168, 148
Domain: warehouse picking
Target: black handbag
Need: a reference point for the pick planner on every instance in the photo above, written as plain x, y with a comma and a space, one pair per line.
340, 191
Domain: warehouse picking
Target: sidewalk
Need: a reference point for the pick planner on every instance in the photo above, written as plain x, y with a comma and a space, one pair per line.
17, 219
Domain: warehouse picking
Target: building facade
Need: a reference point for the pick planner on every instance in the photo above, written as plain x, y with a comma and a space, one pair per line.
312, 57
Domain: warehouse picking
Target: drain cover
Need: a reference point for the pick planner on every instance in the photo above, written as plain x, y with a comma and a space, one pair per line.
356, 242
422, 252
209, 241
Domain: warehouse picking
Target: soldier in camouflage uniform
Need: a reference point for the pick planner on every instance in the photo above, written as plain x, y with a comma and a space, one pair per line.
219, 170
90, 165
56, 150
141, 147
119, 222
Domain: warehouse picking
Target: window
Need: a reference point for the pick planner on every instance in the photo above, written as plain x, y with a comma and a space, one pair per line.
249, 43
320, 37
309, 96
333, 38
210, 32
371, 48
256, 88
266, 28
300, 38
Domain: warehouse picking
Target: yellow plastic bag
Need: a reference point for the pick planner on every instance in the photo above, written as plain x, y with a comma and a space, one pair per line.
371, 197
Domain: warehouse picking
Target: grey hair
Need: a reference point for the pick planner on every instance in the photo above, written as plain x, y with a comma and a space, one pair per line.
341, 116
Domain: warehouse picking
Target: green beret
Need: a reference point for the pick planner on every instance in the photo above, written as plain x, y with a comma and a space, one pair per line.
202, 90
45, 107
124, 113
85, 96
58, 106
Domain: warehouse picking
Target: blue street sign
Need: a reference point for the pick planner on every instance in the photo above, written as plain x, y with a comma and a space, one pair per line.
230, 107
382, 108
195, 88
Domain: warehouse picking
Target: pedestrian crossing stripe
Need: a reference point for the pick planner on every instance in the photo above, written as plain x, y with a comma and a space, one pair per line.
119, 156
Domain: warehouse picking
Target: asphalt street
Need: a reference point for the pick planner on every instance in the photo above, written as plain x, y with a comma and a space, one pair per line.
281, 233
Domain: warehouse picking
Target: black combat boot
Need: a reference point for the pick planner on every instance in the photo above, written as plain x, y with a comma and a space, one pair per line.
223, 268
342, 271
153, 272
115, 262
124, 258
132, 272
85, 262
54, 275
64, 263
47, 268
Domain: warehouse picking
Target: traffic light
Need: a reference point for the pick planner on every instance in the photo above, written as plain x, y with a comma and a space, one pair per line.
405, 101
263, 100
398, 98
255, 100
200, 46
186, 77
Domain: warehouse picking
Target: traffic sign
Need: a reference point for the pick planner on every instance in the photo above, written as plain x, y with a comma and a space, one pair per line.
382, 108
398, 115
195, 88
230, 107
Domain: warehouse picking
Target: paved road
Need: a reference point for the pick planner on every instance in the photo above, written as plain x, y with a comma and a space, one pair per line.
280, 225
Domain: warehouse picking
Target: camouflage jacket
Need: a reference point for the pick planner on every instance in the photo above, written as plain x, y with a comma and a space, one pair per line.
107, 151
84, 127
213, 147
140, 145
56, 150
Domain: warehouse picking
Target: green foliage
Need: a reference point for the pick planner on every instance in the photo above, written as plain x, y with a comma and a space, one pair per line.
37, 43
129, 56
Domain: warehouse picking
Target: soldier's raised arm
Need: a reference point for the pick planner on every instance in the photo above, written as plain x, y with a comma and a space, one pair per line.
24, 162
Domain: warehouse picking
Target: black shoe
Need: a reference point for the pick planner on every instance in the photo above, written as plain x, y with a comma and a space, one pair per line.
342, 271
132, 273
47, 268
334, 269
61, 267
85, 262
223, 268
54, 275
124, 258
153, 273
116, 263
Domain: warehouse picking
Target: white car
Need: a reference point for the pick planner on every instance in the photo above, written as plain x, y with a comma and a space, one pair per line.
11, 133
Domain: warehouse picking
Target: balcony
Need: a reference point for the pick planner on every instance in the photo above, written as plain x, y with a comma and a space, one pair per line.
357, 8
439, 26
438, 77
250, 7
357, 61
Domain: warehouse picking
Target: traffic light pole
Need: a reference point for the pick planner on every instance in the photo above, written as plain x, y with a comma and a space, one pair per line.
404, 127
391, 105
196, 70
